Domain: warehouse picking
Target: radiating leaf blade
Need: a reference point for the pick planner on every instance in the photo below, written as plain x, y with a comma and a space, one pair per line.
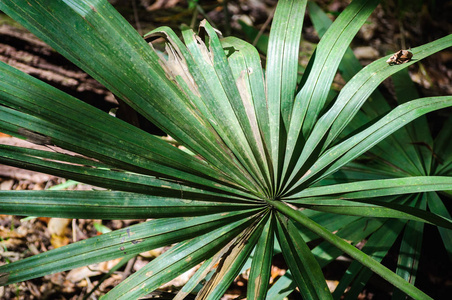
108, 205
359, 88
377, 246
405, 144
98, 174
410, 250
232, 261
283, 287
442, 155
132, 240
437, 206
356, 254
179, 259
306, 270
261, 265
282, 64
311, 99
64, 121
377, 188
248, 75
126, 65
356, 145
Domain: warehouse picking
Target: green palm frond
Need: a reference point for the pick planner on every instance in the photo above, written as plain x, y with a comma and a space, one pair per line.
270, 166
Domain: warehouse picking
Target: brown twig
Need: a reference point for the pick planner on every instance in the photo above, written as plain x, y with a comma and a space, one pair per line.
261, 31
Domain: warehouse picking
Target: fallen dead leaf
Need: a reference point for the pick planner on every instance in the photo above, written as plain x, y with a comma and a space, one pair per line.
8, 233
81, 273
58, 226
59, 241
162, 4
6, 185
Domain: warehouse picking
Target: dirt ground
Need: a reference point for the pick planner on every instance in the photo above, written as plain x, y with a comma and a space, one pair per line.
391, 27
